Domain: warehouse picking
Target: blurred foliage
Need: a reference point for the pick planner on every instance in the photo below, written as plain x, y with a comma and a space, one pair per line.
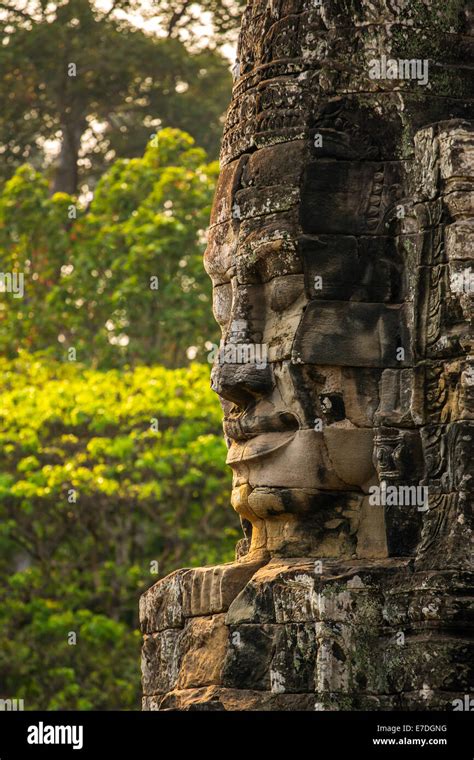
126, 83
107, 466
122, 282
91, 494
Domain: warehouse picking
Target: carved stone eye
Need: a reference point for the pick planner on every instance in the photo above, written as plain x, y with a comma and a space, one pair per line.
285, 290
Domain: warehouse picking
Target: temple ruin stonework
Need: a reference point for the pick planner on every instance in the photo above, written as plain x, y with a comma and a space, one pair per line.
340, 251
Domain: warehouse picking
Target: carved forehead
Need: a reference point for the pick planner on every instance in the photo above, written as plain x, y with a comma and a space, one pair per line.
273, 167
261, 228
255, 215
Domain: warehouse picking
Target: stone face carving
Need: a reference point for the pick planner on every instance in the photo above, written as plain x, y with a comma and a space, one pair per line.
340, 251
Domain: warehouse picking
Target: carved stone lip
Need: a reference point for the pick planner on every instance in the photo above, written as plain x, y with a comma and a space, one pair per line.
257, 447
248, 426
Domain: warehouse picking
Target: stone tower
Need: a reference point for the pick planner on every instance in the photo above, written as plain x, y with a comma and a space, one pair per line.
340, 250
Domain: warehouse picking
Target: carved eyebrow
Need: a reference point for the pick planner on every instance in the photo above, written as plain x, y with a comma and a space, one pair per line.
252, 254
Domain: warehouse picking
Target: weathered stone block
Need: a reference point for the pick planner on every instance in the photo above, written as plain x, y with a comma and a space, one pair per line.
204, 645
161, 657
346, 268
353, 334
161, 607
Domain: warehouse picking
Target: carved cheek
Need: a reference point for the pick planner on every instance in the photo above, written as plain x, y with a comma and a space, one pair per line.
284, 291
222, 303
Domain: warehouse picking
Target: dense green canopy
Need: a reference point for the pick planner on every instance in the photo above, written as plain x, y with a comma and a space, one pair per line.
121, 280
108, 481
96, 87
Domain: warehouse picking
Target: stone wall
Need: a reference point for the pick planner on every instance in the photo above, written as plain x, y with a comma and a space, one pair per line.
341, 241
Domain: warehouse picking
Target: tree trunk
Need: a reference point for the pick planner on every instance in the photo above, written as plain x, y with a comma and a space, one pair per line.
66, 176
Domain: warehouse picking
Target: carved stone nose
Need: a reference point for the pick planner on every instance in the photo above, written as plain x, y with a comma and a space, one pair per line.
241, 383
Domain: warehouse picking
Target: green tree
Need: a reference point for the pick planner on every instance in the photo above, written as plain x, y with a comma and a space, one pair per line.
98, 87
96, 503
183, 18
123, 282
